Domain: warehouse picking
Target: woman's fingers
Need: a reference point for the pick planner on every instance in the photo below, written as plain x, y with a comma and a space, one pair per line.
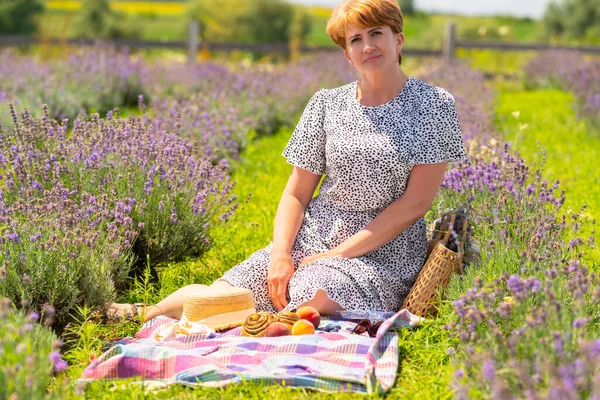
278, 292
308, 260
281, 293
273, 294
280, 271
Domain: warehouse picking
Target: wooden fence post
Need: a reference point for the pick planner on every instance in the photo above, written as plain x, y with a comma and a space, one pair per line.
449, 41
193, 33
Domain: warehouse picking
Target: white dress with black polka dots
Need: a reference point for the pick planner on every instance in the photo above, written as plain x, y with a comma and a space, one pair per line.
366, 154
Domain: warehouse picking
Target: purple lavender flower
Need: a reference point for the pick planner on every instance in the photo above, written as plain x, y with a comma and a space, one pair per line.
35, 237
13, 237
579, 323
489, 371
57, 361
33, 316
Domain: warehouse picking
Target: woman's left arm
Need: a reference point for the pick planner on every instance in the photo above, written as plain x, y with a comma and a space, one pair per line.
423, 184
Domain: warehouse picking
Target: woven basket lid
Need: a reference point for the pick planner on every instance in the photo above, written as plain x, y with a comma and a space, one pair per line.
211, 303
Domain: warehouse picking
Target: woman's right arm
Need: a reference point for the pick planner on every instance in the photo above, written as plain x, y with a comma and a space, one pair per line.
297, 194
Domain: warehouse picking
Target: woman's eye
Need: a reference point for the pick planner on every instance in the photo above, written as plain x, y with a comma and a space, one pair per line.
372, 33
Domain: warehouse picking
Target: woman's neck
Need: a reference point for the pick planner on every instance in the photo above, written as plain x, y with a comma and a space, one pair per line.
373, 90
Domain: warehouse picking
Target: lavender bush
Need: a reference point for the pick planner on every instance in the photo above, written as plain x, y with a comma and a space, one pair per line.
528, 328
220, 108
531, 335
78, 208
29, 354
526, 317
550, 67
226, 108
96, 79
215, 124
585, 84
570, 71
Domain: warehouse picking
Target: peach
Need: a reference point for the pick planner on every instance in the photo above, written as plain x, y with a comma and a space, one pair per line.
277, 329
303, 327
310, 314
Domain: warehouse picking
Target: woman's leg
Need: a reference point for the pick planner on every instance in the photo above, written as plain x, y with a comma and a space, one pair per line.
172, 305
323, 304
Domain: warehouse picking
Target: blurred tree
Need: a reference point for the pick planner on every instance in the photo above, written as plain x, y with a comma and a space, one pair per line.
19, 16
573, 19
264, 21
407, 7
269, 21
218, 19
298, 31
96, 20
93, 18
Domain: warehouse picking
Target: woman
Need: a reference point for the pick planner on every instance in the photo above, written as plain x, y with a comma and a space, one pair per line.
383, 143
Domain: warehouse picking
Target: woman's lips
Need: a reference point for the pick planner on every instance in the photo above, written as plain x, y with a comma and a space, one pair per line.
372, 59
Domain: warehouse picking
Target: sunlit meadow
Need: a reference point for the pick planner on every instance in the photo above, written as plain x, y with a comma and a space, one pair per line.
124, 179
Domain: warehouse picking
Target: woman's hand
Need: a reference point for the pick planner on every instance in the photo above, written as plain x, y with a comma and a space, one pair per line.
308, 260
281, 269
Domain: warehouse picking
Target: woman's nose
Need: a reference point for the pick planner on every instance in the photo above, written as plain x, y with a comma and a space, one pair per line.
369, 47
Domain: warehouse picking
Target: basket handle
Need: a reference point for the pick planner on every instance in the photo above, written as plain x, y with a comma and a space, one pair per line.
437, 234
464, 234
451, 225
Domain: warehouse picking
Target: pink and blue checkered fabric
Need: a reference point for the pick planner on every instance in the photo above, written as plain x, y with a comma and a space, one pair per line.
326, 361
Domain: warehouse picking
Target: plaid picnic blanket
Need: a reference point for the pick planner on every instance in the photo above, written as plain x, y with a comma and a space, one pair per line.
326, 361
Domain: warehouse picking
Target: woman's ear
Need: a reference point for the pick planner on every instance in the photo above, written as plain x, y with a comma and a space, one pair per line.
399, 41
348, 57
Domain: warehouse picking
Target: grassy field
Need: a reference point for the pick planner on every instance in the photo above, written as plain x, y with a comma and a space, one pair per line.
425, 370
162, 20
496, 61
170, 27
527, 119
545, 118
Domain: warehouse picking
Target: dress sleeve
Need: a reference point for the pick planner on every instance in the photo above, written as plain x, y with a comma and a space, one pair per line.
306, 147
438, 137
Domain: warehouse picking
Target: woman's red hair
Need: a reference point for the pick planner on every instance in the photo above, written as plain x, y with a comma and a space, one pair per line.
364, 14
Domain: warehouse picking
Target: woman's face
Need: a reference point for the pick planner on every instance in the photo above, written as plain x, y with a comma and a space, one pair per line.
373, 48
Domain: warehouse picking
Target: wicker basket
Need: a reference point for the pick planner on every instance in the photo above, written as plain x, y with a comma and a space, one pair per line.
435, 275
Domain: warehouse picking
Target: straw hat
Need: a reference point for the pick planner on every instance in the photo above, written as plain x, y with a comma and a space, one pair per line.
219, 309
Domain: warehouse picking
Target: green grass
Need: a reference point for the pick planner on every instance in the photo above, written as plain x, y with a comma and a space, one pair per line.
496, 61
547, 117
